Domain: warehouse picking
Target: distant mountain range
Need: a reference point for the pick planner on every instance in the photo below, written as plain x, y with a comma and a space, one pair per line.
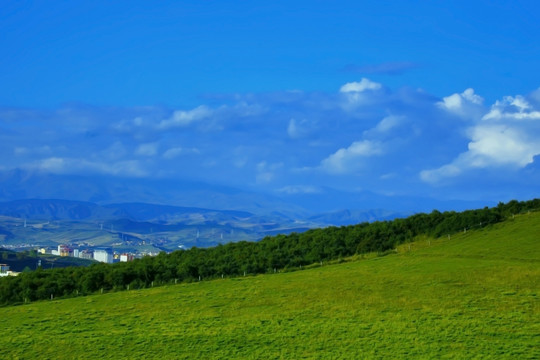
150, 214
140, 227
20, 184
133, 225
352, 205
56, 209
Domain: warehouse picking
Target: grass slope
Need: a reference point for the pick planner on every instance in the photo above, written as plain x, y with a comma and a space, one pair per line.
473, 296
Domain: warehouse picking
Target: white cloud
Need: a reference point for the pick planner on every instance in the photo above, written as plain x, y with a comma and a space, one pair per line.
359, 93
507, 136
466, 105
347, 160
362, 85
512, 108
313, 135
182, 118
149, 149
388, 123
501, 145
385, 126
436, 175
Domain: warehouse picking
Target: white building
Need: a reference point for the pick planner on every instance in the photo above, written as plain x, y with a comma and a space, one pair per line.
103, 255
126, 257
4, 271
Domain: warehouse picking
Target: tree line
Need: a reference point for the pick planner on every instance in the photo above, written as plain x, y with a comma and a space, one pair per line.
280, 252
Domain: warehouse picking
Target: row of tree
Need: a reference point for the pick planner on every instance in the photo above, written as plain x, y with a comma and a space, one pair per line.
281, 252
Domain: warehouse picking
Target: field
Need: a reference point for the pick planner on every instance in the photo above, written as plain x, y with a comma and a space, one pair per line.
474, 295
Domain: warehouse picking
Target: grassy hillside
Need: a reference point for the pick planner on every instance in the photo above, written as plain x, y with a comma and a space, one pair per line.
475, 295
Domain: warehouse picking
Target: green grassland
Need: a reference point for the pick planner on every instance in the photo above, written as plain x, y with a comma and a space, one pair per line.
474, 295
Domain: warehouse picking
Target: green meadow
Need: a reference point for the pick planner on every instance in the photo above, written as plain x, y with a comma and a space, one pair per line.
473, 295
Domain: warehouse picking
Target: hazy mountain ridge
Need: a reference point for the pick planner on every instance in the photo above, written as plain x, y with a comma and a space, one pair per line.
57, 209
131, 226
21, 184
129, 212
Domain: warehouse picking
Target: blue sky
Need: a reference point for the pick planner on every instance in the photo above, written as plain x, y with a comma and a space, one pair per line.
415, 98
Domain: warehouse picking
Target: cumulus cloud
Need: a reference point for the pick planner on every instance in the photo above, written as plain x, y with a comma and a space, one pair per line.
181, 118
347, 160
362, 85
501, 145
360, 93
506, 136
466, 105
512, 108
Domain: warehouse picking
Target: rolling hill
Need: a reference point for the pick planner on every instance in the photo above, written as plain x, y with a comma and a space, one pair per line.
470, 295
133, 226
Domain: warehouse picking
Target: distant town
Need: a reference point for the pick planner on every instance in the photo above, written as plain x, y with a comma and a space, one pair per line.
101, 254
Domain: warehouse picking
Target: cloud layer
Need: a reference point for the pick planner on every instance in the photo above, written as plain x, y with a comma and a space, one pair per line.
362, 136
